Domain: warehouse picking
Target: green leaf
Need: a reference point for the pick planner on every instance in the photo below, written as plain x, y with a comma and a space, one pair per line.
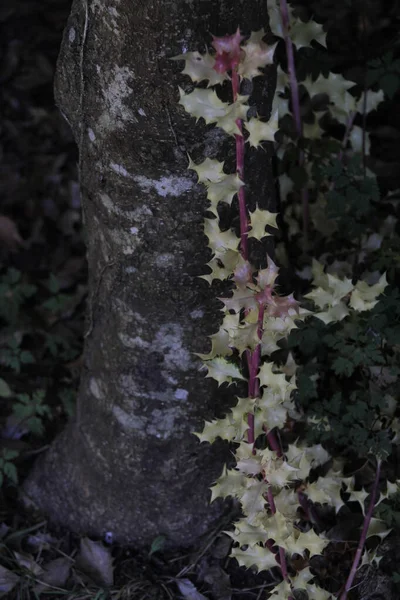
157, 544
27, 357
11, 471
342, 366
390, 83
5, 391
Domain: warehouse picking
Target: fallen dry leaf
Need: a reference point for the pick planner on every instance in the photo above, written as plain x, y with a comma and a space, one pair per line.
9, 234
55, 574
28, 562
8, 580
189, 590
95, 560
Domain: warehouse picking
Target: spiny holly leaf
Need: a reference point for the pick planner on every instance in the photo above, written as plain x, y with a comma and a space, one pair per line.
252, 499
259, 220
203, 103
334, 86
247, 462
245, 337
222, 265
248, 535
359, 497
326, 490
206, 104
287, 502
372, 101
332, 292
229, 428
237, 110
275, 19
219, 345
356, 138
275, 416
281, 105
218, 271
278, 527
230, 483
210, 170
243, 298
217, 239
334, 314
222, 371
223, 190
275, 381
299, 542
259, 131
282, 80
379, 528
278, 471
312, 131
343, 109
364, 296
200, 67
257, 556
300, 33
257, 55
266, 277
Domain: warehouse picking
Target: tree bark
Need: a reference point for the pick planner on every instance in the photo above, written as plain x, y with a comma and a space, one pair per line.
129, 464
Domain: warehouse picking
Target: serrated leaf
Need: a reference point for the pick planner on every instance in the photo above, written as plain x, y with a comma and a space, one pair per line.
364, 296
248, 535
222, 371
200, 67
257, 556
260, 131
219, 345
379, 528
231, 483
256, 55
209, 170
372, 102
335, 86
259, 220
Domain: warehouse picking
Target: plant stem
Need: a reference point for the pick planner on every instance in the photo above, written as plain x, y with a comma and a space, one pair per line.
361, 543
240, 171
294, 87
294, 91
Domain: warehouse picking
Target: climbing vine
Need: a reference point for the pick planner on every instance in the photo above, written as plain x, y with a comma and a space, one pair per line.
281, 477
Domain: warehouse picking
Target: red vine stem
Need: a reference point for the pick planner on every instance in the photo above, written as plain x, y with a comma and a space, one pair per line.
244, 227
253, 358
361, 543
294, 90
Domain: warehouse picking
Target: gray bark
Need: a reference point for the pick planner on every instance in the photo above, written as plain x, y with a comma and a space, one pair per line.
129, 464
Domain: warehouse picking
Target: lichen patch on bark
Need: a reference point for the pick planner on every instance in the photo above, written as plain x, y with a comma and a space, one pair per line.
165, 186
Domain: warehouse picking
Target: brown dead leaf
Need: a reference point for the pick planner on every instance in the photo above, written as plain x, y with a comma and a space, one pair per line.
8, 580
189, 590
55, 574
95, 560
28, 562
9, 234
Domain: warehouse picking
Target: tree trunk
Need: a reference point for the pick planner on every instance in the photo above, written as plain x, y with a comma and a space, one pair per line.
129, 465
